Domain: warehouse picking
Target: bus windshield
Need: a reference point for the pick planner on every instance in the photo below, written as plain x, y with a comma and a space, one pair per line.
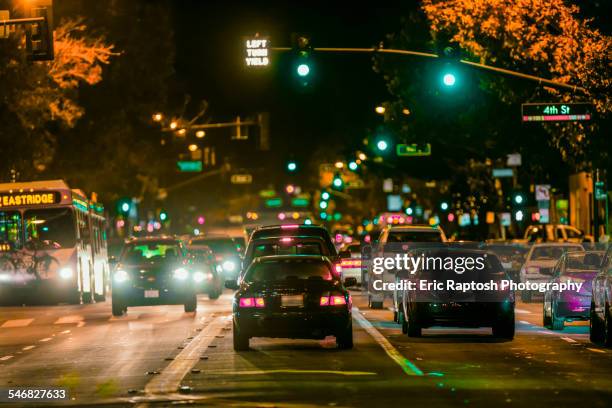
10, 227
53, 227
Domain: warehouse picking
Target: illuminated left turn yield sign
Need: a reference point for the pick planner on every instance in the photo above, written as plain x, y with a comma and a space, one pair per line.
257, 51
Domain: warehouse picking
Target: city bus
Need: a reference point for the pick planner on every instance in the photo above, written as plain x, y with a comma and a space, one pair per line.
52, 245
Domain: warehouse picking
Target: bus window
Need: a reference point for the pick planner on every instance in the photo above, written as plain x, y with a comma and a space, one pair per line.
54, 227
10, 228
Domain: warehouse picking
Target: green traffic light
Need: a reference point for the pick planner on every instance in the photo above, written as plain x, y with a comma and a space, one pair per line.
382, 145
449, 79
325, 195
303, 70
163, 216
444, 206
292, 166
518, 199
125, 207
353, 166
337, 183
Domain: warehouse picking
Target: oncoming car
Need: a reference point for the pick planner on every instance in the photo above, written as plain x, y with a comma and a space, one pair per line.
297, 296
154, 271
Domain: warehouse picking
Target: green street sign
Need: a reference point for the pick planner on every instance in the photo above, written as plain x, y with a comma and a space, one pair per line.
274, 202
556, 112
600, 191
300, 202
413, 149
189, 166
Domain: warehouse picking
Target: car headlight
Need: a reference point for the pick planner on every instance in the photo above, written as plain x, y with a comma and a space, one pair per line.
181, 273
199, 276
229, 266
121, 276
65, 273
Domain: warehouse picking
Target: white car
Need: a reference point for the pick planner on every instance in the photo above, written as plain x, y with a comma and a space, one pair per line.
396, 234
540, 262
351, 265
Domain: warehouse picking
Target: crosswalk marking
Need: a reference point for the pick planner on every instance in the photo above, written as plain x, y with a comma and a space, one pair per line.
16, 323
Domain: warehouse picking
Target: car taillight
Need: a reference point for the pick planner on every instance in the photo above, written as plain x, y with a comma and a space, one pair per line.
252, 302
351, 263
338, 268
333, 300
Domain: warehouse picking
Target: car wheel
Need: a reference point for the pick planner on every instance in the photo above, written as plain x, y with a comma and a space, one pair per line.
404, 323
414, 328
503, 327
526, 296
241, 341
191, 304
545, 317
214, 294
344, 340
556, 323
607, 328
595, 332
118, 309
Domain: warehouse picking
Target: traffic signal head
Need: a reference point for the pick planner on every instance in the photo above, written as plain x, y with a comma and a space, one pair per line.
518, 198
163, 215
444, 206
382, 145
337, 182
303, 70
325, 195
292, 166
124, 205
449, 79
353, 166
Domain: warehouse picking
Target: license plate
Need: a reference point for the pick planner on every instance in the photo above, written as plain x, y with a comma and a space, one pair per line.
151, 293
292, 301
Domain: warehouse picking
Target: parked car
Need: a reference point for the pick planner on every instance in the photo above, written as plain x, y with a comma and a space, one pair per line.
559, 307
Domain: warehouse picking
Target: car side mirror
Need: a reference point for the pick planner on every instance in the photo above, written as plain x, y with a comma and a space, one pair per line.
350, 281
231, 284
344, 254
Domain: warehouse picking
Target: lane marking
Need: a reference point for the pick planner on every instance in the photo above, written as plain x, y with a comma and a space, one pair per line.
170, 378
69, 319
521, 311
569, 340
45, 339
291, 371
595, 350
408, 366
26, 348
524, 322
16, 323
5, 358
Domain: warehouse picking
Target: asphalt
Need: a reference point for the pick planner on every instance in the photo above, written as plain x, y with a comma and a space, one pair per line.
160, 356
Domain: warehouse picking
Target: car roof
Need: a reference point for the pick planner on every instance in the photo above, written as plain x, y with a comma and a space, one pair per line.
557, 244
301, 237
279, 258
424, 228
153, 238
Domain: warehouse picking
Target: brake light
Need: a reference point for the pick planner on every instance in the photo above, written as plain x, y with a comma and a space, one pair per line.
338, 268
252, 302
333, 300
290, 226
286, 239
351, 263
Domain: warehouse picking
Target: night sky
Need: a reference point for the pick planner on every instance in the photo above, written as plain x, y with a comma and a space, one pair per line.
336, 109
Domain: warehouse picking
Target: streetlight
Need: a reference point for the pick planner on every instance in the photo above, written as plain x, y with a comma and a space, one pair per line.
200, 134
193, 147
362, 156
339, 165
380, 110
173, 125
406, 111
181, 132
158, 117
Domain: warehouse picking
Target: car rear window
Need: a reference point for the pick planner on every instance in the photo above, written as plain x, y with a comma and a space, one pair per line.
287, 270
150, 252
414, 236
218, 245
583, 262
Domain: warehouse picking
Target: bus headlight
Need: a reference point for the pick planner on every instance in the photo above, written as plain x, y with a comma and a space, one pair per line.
181, 273
121, 276
199, 276
65, 273
229, 266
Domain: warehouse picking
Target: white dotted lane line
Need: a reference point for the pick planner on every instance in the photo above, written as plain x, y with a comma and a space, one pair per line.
45, 339
5, 358
568, 339
26, 348
595, 350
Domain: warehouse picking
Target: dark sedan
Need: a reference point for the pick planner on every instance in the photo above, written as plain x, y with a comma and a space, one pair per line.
154, 271
296, 296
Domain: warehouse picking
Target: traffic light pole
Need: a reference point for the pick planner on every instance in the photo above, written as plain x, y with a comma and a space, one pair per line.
504, 71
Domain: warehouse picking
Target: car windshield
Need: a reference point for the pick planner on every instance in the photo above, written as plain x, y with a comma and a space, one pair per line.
287, 248
151, 252
583, 262
10, 227
414, 236
54, 228
551, 252
288, 270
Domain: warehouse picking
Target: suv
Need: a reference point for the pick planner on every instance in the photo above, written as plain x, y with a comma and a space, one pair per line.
417, 235
154, 271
